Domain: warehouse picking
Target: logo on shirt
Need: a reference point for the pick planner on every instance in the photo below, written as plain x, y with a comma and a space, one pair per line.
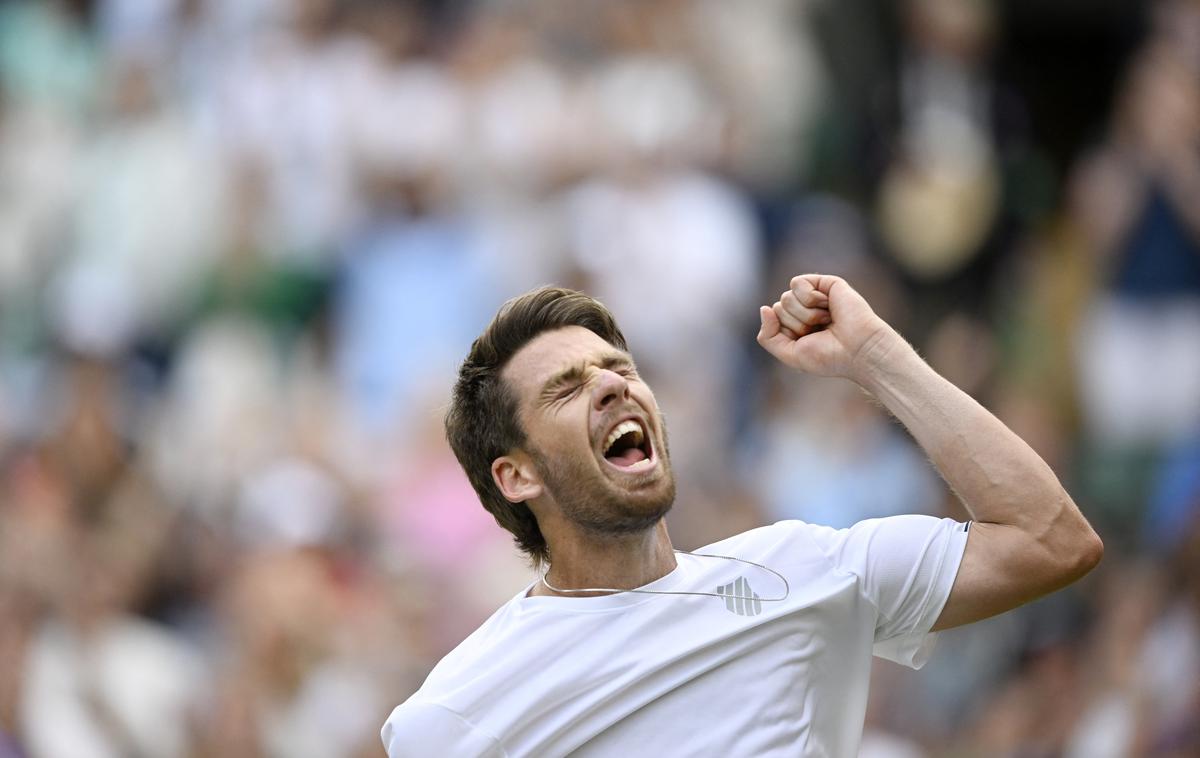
740, 598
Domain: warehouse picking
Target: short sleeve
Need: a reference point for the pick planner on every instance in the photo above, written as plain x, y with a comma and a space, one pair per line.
906, 566
416, 730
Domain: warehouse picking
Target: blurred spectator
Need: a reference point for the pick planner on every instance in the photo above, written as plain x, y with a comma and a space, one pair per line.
1109, 724
940, 194
1140, 200
413, 292
288, 684
286, 112
47, 57
96, 679
523, 122
38, 149
761, 61
149, 209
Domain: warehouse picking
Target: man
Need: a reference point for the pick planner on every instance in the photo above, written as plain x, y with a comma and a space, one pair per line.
759, 644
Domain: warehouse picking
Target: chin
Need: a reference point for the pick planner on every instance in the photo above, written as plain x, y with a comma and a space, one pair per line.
605, 500
621, 511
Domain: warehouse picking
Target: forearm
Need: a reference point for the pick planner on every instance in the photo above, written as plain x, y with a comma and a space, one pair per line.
998, 477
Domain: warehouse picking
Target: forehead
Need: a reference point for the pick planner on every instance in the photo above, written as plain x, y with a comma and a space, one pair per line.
550, 353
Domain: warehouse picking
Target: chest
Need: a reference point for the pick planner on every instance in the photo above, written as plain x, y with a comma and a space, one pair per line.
708, 676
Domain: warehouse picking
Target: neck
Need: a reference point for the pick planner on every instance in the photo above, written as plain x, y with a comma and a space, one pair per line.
622, 563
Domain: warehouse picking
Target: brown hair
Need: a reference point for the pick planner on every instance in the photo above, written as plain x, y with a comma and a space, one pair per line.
483, 423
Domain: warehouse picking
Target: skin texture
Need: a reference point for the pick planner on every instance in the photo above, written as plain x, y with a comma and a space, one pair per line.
1029, 538
605, 528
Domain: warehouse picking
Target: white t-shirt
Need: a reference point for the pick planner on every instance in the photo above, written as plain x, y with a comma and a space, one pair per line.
675, 675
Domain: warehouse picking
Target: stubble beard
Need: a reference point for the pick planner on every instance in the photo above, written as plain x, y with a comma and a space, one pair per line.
598, 506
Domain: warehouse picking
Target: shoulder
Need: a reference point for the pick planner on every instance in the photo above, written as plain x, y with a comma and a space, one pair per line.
782, 535
871, 542
794, 548
490, 637
890, 529
445, 711
758, 536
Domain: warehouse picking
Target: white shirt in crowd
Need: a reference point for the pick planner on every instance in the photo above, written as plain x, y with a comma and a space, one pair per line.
676, 675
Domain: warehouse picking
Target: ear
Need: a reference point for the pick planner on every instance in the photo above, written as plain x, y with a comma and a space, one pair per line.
516, 477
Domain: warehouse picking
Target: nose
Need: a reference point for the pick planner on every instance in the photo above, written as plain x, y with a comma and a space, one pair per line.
610, 387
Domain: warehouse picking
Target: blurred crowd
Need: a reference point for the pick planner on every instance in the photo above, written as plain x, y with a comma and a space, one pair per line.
244, 244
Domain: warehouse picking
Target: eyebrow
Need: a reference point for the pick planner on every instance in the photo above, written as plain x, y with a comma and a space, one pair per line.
575, 373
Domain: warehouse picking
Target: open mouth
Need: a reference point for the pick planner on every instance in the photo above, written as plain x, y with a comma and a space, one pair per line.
628, 447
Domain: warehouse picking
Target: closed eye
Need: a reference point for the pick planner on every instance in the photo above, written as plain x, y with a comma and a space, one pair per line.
621, 366
569, 392
570, 381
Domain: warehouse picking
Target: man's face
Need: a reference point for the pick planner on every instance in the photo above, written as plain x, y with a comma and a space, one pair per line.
593, 430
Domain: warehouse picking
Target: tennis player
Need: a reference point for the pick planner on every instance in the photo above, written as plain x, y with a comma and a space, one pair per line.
757, 645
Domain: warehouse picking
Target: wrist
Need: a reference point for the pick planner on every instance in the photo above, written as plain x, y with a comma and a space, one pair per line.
883, 352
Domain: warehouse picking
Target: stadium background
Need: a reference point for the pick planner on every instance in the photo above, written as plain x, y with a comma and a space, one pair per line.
243, 244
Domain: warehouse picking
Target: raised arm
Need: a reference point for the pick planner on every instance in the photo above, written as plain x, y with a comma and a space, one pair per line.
1029, 538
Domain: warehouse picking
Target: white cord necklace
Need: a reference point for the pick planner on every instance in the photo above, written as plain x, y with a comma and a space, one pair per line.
787, 589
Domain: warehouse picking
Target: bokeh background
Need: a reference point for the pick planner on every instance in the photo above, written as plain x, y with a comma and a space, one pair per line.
244, 244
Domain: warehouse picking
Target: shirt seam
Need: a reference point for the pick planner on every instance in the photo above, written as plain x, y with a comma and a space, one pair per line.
858, 582
470, 725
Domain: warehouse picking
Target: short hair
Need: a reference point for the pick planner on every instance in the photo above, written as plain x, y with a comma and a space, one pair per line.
483, 421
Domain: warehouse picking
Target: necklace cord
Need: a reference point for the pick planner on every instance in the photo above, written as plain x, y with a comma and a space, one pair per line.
787, 589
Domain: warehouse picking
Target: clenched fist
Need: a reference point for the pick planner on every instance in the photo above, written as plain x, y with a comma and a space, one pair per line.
822, 326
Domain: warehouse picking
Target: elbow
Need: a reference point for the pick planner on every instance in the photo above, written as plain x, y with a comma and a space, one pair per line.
1086, 555
1094, 550
1075, 548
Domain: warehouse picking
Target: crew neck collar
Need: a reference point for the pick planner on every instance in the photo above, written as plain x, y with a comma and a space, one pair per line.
670, 581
